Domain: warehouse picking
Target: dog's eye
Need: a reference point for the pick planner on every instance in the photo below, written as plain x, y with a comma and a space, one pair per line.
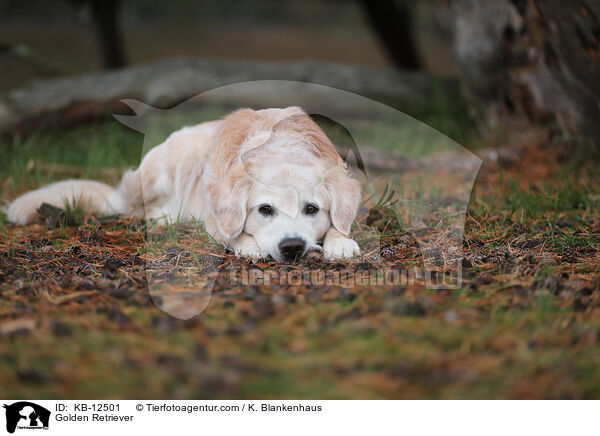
311, 209
265, 209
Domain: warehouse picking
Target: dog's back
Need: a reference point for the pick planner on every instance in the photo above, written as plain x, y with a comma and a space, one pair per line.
174, 158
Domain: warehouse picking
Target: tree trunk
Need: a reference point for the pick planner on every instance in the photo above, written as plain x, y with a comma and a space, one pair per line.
392, 22
165, 83
534, 58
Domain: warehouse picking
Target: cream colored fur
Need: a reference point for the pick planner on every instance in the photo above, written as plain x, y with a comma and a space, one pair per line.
222, 172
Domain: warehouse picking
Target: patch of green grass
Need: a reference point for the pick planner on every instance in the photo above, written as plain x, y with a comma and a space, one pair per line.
450, 116
8, 240
567, 196
556, 243
87, 148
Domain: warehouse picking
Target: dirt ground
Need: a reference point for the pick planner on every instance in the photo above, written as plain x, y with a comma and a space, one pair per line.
79, 315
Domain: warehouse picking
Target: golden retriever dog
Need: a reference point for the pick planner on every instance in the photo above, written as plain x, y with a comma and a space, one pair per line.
264, 183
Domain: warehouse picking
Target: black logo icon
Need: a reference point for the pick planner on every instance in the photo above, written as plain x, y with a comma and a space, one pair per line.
26, 415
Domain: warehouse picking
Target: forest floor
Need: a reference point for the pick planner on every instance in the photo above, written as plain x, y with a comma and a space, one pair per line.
79, 315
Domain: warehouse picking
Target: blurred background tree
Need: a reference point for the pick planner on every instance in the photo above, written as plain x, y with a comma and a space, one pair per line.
527, 60
533, 59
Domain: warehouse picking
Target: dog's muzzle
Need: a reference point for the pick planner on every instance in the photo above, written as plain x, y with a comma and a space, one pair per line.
291, 249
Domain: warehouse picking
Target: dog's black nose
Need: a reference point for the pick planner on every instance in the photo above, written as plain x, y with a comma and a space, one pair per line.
291, 248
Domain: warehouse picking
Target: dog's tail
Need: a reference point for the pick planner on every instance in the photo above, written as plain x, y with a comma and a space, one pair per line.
89, 196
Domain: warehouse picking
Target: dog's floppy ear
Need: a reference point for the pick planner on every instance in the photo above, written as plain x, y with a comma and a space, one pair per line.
228, 201
230, 185
231, 135
344, 197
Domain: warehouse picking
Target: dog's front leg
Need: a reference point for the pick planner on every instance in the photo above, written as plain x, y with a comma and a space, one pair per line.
338, 246
245, 245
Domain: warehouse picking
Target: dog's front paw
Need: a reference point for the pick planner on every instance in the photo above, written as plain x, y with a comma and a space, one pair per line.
245, 245
340, 248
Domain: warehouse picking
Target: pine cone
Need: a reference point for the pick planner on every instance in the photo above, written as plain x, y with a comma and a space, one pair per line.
388, 252
569, 255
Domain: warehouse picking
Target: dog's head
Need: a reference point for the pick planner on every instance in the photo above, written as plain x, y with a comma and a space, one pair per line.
276, 176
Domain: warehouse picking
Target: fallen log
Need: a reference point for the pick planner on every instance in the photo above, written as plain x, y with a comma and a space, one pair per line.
163, 84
